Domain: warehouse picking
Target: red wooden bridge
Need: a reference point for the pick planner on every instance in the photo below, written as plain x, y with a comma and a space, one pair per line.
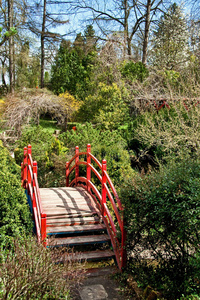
87, 211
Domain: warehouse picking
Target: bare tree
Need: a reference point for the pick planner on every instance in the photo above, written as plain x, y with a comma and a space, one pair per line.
11, 45
146, 31
53, 14
12, 19
124, 16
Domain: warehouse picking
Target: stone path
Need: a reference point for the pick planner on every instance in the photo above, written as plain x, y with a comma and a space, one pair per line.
99, 285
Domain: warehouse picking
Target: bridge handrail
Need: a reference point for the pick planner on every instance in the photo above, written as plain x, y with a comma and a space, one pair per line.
30, 184
107, 191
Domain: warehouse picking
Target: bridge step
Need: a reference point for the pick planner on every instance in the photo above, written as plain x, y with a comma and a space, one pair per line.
90, 256
76, 214
79, 240
72, 221
75, 229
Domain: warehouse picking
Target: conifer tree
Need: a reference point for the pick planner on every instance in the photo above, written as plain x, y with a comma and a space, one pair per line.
170, 42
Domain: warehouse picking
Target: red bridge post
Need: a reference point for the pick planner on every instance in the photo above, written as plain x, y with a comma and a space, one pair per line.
44, 228
29, 163
88, 166
76, 163
103, 186
25, 168
67, 174
34, 185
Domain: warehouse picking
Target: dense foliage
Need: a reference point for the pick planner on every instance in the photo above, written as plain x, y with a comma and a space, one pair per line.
162, 213
49, 153
170, 133
73, 64
36, 275
15, 219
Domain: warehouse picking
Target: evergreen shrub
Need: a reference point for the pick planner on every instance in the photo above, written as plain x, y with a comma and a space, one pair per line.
134, 71
15, 219
48, 151
162, 211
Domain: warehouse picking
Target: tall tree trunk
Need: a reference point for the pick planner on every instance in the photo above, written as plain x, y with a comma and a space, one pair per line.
146, 33
3, 72
11, 46
127, 42
42, 44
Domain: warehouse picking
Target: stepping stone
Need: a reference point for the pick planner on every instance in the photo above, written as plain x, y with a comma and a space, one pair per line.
93, 292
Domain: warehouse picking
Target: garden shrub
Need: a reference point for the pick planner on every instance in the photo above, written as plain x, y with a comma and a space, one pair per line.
170, 132
171, 78
28, 271
107, 107
15, 218
162, 211
49, 153
134, 71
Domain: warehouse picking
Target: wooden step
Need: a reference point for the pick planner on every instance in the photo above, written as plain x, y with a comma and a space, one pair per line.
75, 229
51, 198
89, 256
79, 240
72, 215
72, 221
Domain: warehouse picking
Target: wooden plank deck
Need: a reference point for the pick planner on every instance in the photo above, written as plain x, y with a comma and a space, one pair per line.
73, 219
67, 201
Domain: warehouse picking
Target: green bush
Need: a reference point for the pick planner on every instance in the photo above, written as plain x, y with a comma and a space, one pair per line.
134, 71
162, 212
170, 132
49, 153
28, 271
14, 211
107, 106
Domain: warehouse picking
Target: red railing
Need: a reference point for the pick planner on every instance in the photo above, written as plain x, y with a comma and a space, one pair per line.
106, 199
30, 183
163, 102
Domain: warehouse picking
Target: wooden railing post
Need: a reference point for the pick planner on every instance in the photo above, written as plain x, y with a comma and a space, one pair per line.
67, 173
88, 166
44, 228
29, 163
103, 186
76, 163
25, 168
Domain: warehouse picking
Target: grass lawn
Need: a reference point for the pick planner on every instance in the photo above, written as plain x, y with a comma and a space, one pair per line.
49, 125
